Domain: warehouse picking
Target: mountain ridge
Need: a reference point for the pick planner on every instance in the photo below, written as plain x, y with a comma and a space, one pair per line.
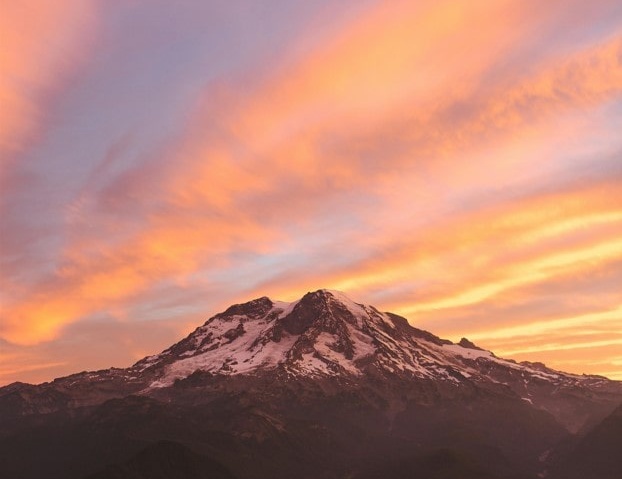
265, 388
325, 333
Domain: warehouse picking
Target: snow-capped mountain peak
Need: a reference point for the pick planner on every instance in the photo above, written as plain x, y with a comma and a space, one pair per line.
325, 333
319, 334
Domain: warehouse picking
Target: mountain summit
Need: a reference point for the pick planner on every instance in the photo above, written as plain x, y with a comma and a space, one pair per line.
323, 333
326, 334
265, 388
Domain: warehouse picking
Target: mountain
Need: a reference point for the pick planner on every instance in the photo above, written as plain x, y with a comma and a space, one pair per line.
596, 454
165, 460
320, 387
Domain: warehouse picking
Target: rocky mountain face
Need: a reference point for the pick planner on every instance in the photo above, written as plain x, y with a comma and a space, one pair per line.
320, 387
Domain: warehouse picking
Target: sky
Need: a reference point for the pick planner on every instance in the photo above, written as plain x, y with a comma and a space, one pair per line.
456, 162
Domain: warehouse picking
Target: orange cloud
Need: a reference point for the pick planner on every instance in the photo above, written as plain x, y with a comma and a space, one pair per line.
42, 42
587, 78
101, 277
493, 246
592, 347
399, 53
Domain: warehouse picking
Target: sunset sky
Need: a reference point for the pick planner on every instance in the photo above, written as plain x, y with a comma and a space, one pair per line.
456, 162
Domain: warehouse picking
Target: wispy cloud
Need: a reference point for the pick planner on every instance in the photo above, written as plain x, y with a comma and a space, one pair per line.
42, 44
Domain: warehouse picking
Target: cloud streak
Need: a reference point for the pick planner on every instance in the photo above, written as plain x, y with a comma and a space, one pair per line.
42, 46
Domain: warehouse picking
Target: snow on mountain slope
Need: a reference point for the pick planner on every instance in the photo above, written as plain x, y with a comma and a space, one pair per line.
323, 338
326, 333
